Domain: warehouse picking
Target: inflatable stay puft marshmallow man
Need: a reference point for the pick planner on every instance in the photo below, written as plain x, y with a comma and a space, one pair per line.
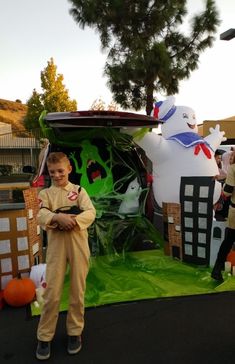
179, 151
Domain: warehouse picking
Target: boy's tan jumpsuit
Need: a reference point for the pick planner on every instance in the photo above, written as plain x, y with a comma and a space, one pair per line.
65, 247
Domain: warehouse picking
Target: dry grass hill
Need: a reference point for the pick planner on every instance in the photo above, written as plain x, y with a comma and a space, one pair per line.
13, 112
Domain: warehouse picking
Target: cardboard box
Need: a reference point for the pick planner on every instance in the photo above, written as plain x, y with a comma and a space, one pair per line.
172, 226
20, 239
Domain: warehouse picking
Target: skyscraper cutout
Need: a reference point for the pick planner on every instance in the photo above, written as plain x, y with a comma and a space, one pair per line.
196, 198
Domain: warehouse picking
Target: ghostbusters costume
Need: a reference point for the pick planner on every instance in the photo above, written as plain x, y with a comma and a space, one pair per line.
229, 190
65, 247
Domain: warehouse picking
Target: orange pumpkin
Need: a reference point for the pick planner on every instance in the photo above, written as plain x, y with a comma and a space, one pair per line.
231, 257
19, 292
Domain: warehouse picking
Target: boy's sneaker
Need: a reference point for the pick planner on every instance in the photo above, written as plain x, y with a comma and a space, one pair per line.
74, 344
43, 351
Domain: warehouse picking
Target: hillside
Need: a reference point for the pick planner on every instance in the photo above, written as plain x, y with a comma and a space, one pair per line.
12, 112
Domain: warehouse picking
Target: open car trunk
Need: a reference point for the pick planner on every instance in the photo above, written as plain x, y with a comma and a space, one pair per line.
110, 167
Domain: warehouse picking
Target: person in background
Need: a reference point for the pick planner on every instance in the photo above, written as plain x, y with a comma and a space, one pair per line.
67, 244
39, 180
222, 206
220, 177
228, 191
226, 160
222, 174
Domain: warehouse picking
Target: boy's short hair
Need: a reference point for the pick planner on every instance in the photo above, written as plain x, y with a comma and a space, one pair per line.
57, 157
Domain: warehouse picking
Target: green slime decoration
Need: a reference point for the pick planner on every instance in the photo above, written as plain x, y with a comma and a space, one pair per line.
90, 154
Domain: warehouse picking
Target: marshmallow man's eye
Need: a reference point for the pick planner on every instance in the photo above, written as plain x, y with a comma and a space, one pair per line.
185, 116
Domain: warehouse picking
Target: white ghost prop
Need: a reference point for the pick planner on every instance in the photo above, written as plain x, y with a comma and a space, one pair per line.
38, 275
179, 151
130, 203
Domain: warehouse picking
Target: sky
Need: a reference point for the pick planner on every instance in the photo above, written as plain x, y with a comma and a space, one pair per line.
33, 31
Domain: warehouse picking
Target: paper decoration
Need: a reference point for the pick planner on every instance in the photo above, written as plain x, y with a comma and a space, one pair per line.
6, 265
5, 246
204, 191
202, 208
188, 249
21, 223
202, 238
227, 267
4, 224
35, 248
188, 206
188, 236
22, 243
30, 213
23, 262
5, 279
233, 270
201, 252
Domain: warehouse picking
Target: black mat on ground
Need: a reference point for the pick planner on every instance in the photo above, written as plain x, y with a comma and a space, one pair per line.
192, 329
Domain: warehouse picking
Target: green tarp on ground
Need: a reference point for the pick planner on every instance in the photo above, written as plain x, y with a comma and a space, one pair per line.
143, 275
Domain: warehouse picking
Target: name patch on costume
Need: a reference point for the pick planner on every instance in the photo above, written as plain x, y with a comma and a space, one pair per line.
72, 195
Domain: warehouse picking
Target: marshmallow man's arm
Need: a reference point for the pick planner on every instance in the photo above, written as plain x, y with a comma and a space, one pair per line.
154, 145
129, 131
136, 133
215, 137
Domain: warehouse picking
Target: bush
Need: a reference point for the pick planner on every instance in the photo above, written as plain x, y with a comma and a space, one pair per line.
5, 169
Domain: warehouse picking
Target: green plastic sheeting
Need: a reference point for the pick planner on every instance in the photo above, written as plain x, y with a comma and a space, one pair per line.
142, 275
114, 236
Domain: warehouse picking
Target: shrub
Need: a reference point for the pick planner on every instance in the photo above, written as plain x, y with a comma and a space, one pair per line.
5, 169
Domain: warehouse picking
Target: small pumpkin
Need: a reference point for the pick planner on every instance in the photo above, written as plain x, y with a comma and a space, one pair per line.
19, 291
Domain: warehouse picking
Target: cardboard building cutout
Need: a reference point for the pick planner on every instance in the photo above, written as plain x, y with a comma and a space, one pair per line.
179, 151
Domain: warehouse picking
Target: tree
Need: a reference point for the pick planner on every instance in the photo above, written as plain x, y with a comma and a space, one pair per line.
54, 97
35, 107
148, 51
100, 105
112, 106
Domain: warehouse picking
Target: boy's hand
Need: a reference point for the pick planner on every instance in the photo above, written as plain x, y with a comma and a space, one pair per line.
65, 221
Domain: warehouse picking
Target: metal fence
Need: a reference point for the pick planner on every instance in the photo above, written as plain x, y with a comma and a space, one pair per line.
18, 149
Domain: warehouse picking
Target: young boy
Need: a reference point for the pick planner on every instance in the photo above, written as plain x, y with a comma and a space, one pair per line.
67, 243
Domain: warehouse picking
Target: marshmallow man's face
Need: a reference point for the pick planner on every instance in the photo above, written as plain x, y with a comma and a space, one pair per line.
183, 120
